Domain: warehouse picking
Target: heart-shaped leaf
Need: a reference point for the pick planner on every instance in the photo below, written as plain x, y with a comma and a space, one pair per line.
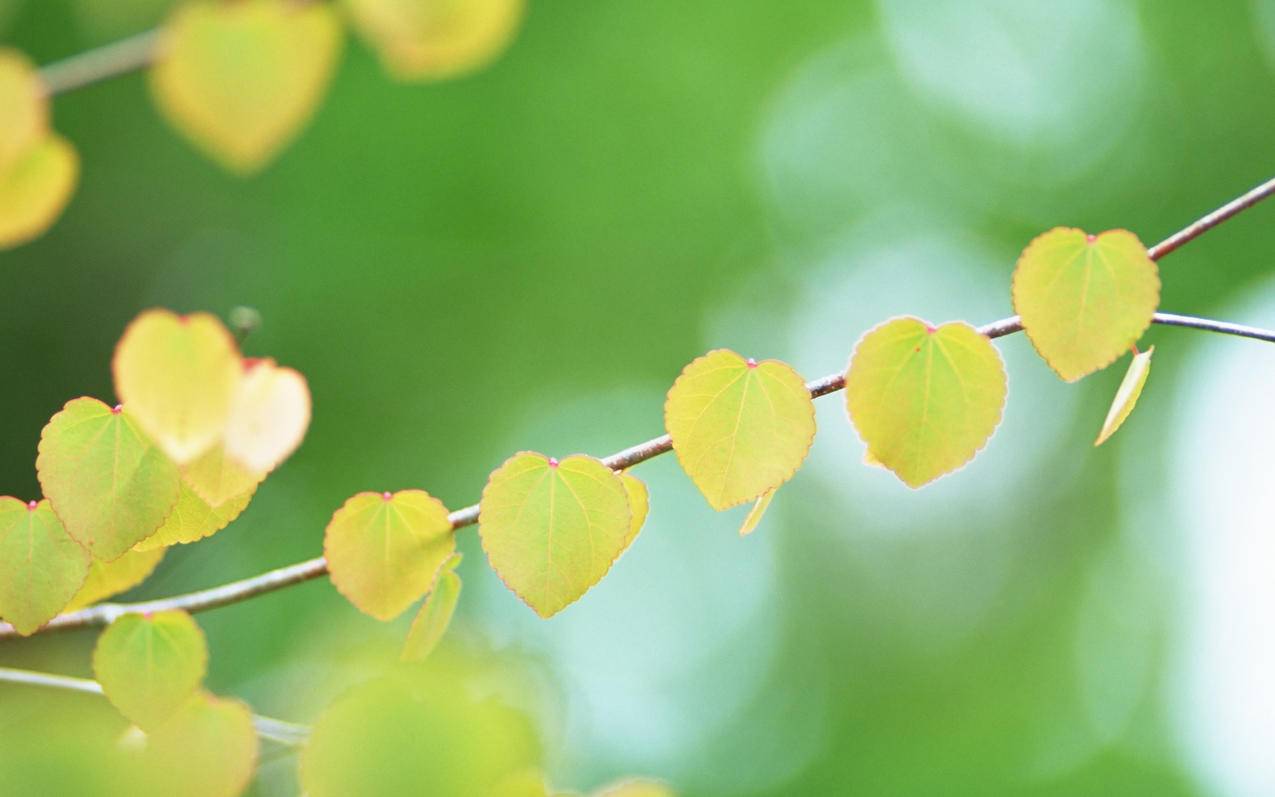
41, 567
383, 549
108, 483
24, 109
1127, 395
150, 665
430, 40
756, 513
178, 375
553, 529
269, 416
241, 79
107, 579
925, 400
435, 614
35, 189
1085, 299
207, 749
193, 519
739, 427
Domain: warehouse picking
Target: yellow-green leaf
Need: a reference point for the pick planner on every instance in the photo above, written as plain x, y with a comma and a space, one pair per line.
241, 79
553, 529
41, 567
107, 579
1127, 395
150, 665
218, 479
207, 749
1085, 299
24, 109
434, 39
269, 416
526, 783
108, 483
383, 549
739, 427
756, 513
35, 189
925, 400
193, 519
435, 614
177, 376
639, 503
636, 788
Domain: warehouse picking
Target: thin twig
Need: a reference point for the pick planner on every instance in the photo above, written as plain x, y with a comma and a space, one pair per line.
94, 66
287, 733
105, 613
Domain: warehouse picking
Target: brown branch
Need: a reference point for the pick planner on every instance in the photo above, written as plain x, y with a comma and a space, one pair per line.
104, 613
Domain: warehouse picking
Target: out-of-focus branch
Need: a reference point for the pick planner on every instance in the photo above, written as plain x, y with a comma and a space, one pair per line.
102, 63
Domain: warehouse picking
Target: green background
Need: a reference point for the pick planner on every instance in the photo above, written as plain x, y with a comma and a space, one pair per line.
525, 258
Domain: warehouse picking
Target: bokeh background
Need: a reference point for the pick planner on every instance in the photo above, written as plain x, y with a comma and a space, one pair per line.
525, 258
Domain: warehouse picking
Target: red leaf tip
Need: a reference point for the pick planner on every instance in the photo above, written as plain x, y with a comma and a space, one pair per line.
32, 505
553, 462
752, 363
387, 495
117, 409
1090, 238
930, 330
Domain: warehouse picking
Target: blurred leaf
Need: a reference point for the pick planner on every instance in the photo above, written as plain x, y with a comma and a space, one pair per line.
177, 376
383, 550
757, 513
435, 39
639, 503
1127, 394
636, 788
35, 189
207, 749
110, 485
415, 731
1084, 300
739, 427
527, 783
149, 665
269, 415
41, 567
24, 111
925, 400
218, 479
241, 79
193, 519
552, 530
436, 613
106, 579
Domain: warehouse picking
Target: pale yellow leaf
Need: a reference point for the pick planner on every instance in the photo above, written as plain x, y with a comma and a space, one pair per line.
1127, 395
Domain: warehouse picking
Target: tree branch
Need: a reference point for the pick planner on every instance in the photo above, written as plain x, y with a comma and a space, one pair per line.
94, 66
287, 733
105, 613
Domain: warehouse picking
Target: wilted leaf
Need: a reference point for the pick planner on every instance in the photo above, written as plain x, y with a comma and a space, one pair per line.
756, 513
241, 79
207, 749
925, 400
1127, 395
552, 529
268, 417
106, 579
41, 567
108, 483
636, 788
24, 110
35, 189
430, 40
177, 376
150, 665
1085, 299
435, 615
383, 550
739, 427
193, 519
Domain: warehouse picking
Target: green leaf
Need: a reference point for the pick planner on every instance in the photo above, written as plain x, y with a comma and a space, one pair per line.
383, 550
925, 400
636, 788
756, 513
553, 529
241, 79
177, 376
150, 665
429, 40
435, 615
639, 503
739, 427
24, 109
35, 189
108, 483
218, 478
193, 519
1127, 395
41, 567
106, 579
1084, 299
207, 749
527, 783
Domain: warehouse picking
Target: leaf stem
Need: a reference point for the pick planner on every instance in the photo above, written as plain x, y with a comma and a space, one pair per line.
276, 730
99, 64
